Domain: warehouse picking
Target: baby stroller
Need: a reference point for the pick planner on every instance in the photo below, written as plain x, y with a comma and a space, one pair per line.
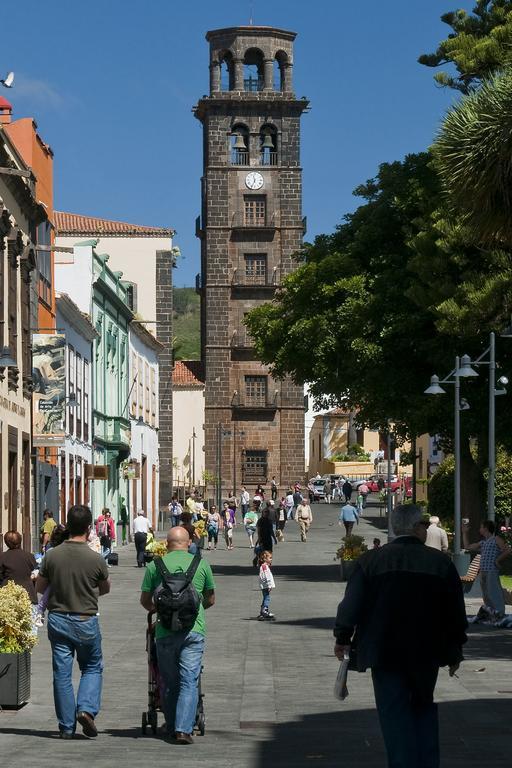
156, 688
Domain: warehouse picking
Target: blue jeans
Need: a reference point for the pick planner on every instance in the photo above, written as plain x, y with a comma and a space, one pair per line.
70, 634
265, 602
180, 656
408, 715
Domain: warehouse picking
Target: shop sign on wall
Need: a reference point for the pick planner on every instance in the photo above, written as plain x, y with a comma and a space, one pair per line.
49, 376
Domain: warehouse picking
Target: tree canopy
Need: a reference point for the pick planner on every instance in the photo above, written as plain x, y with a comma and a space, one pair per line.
385, 301
473, 151
478, 45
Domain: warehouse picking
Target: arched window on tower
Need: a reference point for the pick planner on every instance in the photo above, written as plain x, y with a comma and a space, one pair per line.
227, 71
268, 145
254, 77
239, 145
280, 62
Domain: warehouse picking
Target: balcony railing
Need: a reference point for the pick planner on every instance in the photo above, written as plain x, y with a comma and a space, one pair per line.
242, 221
266, 402
253, 84
112, 429
241, 339
242, 279
239, 157
268, 158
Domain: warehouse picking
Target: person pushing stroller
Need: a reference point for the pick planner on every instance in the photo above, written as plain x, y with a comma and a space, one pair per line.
179, 651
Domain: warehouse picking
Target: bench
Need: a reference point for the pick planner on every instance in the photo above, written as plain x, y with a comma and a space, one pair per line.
470, 577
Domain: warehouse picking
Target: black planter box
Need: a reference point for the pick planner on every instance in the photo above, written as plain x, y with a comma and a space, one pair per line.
347, 568
14, 679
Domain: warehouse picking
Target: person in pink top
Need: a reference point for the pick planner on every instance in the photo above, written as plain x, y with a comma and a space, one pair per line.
106, 531
364, 491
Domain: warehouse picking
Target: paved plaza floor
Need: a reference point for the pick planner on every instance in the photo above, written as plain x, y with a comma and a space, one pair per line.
268, 687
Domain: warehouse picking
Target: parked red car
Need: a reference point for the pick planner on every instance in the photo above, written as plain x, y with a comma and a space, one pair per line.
396, 482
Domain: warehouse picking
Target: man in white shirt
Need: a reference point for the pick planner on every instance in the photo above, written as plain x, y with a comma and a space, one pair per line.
140, 530
289, 505
436, 536
244, 501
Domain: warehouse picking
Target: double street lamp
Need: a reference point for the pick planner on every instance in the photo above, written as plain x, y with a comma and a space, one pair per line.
461, 404
464, 369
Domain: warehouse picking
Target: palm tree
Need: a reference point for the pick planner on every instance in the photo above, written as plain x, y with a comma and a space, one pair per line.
473, 154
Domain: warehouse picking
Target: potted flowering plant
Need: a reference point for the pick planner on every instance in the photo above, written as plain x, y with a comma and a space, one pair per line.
159, 549
16, 641
350, 549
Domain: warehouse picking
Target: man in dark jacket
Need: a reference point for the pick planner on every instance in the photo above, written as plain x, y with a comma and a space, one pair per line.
266, 536
403, 614
346, 490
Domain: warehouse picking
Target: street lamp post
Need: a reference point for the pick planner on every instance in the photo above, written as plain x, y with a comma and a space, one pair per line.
459, 405
389, 498
493, 393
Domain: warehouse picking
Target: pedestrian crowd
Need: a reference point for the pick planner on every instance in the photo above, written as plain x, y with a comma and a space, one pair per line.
179, 586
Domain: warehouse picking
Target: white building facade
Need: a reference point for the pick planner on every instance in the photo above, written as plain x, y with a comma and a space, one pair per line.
76, 453
188, 411
144, 469
145, 256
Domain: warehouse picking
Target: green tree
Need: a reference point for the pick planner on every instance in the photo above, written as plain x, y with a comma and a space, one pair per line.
472, 153
378, 306
478, 45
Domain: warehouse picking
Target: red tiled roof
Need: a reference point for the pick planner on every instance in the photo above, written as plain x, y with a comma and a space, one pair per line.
188, 373
76, 224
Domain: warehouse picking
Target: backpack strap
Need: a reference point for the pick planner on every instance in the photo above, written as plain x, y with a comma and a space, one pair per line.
194, 565
162, 569
166, 574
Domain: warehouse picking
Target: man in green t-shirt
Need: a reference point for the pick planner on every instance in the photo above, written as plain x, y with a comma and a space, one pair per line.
180, 654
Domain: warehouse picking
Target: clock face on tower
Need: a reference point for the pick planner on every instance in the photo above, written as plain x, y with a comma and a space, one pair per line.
254, 180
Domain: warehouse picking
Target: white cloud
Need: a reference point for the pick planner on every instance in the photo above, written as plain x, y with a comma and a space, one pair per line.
40, 93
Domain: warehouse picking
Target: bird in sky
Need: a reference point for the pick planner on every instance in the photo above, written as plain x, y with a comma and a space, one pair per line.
8, 81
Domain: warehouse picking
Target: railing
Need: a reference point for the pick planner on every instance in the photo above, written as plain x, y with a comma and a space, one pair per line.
240, 220
243, 279
253, 84
266, 402
241, 339
239, 157
268, 158
112, 429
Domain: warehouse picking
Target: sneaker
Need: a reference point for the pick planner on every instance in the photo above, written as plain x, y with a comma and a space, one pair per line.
184, 738
66, 735
39, 622
87, 722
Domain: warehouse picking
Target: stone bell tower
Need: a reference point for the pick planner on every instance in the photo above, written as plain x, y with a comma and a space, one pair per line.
250, 227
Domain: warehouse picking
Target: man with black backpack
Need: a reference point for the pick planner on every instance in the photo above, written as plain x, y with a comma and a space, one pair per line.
179, 586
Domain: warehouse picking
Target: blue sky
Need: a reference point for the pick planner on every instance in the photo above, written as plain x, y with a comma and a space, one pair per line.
111, 84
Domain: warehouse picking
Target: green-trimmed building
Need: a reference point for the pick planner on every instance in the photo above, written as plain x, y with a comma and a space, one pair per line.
106, 298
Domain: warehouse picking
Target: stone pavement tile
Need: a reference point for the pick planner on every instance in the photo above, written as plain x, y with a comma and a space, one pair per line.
275, 679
